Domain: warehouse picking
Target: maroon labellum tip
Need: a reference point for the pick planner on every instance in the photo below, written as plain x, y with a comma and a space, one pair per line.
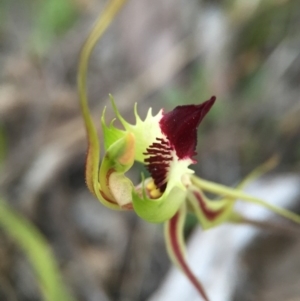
180, 126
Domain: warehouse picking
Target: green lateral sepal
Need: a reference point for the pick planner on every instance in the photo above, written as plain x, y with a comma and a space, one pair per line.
210, 213
115, 186
145, 131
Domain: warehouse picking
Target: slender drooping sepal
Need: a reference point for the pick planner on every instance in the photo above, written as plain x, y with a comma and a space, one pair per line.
175, 247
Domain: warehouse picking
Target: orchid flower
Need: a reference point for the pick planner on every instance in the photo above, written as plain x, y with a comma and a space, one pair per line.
166, 144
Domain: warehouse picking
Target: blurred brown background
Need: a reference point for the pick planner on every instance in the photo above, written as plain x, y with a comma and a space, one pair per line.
156, 53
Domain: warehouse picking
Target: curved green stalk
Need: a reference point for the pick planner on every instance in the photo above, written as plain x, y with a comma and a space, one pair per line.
93, 153
259, 171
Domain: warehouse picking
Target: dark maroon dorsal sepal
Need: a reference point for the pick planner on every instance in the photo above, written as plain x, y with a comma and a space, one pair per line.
180, 126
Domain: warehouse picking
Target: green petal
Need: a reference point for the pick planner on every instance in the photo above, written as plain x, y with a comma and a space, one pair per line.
175, 247
115, 187
145, 132
161, 209
234, 194
210, 213
110, 133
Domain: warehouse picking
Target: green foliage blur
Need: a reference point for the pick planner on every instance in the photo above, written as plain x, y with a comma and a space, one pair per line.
34, 245
53, 18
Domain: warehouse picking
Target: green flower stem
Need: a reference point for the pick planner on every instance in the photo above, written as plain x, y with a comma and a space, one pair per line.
104, 20
93, 153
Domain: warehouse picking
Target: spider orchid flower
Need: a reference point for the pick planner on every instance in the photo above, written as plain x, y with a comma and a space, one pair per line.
166, 144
